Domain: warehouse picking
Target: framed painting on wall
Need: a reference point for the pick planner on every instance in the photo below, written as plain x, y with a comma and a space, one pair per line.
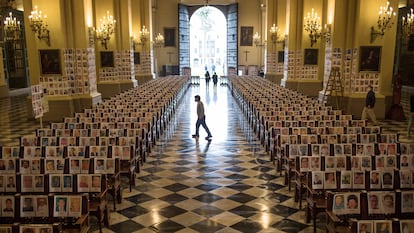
169, 37
137, 59
311, 57
246, 38
50, 61
107, 59
280, 56
369, 58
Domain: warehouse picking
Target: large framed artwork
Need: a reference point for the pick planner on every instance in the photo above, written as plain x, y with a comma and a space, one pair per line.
311, 57
50, 61
280, 56
246, 38
169, 37
370, 57
107, 59
137, 59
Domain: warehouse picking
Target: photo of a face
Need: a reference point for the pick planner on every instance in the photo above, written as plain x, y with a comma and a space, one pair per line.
7, 206
407, 226
365, 227
383, 227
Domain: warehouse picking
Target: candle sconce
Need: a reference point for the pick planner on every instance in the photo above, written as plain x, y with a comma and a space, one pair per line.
384, 22
39, 26
312, 26
143, 38
105, 30
11, 28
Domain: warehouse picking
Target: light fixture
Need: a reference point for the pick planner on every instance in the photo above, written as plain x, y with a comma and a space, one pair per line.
384, 22
158, 41
257, 40
105, 30
11, 28
313, 26
407, 25
39, 26
327, 33
143, 37
274, 35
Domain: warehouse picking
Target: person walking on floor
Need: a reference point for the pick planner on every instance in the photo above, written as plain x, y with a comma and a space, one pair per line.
201, 118
411, 119
369, 106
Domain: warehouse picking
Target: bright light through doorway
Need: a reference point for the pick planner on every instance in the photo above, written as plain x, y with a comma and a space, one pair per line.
208, 42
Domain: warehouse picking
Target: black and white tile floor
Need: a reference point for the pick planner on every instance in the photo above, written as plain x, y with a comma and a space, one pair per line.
187, 185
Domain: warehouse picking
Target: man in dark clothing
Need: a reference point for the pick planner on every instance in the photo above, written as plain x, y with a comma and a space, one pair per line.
369, 106
410, 120
215, 79
201, 118
207, 77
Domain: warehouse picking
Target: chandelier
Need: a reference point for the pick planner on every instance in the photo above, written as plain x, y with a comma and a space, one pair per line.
313, 26
384, 22
11, 28
257, 40
39, 26
158, 41
105, 29
143, 35
407, 25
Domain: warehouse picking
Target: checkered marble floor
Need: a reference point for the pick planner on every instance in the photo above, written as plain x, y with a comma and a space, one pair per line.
187, 185
15, 120
226, 185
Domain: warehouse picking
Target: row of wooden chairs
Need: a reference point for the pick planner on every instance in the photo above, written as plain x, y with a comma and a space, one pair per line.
277, 114
149, 107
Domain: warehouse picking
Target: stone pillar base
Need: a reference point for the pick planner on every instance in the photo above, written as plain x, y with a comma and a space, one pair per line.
143, 78
128, 85
309, 88
109, 89
276, 78
355, 104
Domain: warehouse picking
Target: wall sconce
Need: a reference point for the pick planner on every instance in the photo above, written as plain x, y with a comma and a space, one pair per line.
39, 27
158, 41
257, 41
312, 26
143, 37
327, 33
274, 36
385, 15
11, 28
407, 25
274, 33
105, 30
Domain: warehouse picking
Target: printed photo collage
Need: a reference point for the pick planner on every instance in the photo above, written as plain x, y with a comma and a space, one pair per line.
41, 206
80, 64
40, 183
375, 202
35, 228
384, 226
355, 180
38, 100
120, 69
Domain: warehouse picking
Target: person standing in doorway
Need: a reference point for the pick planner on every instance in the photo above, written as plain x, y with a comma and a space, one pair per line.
410, 120
201, 120
207, 77
215, 78
369, 106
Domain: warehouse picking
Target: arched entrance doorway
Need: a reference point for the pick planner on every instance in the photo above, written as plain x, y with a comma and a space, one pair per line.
229, 36
208, 41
